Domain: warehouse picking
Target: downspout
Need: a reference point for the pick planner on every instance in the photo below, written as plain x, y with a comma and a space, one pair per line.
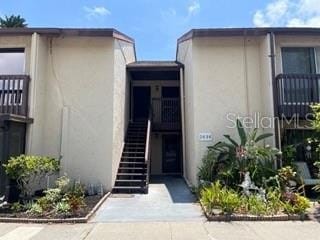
275, 99
182, 102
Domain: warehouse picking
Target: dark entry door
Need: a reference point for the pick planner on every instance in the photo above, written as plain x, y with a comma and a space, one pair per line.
171, 154
141, 103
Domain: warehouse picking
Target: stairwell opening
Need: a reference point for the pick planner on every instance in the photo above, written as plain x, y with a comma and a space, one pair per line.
154, 96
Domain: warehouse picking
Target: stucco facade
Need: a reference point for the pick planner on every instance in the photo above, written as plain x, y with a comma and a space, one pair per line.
224, 78
80, 93
77, 102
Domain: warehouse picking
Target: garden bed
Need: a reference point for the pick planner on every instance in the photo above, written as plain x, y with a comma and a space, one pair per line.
244, 217
92, 205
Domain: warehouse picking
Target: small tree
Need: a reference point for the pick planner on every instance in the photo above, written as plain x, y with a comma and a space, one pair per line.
12, 21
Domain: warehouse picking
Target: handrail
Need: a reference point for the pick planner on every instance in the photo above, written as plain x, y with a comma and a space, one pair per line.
296, 93
147, 149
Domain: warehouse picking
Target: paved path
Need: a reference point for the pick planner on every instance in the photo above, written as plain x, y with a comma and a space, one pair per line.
169, 199
164, 231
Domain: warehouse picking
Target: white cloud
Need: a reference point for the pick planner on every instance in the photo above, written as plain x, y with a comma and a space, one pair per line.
194, 7
96, 11
291, 13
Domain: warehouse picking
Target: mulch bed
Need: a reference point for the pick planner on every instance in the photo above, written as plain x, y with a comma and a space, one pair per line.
82, 216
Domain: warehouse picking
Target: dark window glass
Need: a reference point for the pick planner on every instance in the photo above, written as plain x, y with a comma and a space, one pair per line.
298, 60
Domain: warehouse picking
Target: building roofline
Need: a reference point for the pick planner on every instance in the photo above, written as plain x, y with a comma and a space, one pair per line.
82, 32
154, 65
229, 32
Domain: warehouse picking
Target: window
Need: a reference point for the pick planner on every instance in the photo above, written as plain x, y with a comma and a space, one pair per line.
300, 60
12, 61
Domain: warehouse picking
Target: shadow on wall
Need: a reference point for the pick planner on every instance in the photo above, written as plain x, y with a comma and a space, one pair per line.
177, 188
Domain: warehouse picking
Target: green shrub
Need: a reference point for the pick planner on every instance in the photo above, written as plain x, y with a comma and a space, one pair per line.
295, 204
35, 209
216, 196
206, 170
16, 207
230, 201
62, 207
256, 206
289, 153
274, 204
211, 196
27, 169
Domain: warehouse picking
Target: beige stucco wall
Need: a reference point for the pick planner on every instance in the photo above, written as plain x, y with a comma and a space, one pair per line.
225, 77
185, 56
78, 104
123, 54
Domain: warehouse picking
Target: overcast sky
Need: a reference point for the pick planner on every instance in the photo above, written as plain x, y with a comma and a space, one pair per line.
156, 24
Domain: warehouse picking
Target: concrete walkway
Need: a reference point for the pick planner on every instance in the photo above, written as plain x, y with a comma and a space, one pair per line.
169, 199
164, 231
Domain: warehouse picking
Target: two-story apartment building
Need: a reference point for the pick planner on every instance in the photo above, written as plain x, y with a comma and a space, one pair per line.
80, 95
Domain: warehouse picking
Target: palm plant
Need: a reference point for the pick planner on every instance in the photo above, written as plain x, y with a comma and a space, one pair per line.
12, 21
247, 155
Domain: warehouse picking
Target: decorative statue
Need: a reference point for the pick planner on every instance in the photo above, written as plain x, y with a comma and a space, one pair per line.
248, 186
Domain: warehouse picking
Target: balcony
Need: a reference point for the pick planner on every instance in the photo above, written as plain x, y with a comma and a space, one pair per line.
14, 95
295, 93
166, 115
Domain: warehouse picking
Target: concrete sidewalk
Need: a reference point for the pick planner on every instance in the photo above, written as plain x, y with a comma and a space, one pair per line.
164, 230
169, 199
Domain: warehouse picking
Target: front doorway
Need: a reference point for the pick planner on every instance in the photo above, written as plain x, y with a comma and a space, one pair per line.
171, 154
141, 102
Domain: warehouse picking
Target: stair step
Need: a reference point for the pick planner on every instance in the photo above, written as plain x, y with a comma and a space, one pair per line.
128, 157
130, 180
131, 143
131, 174
127, 187
131, 168
142, 162
133, 152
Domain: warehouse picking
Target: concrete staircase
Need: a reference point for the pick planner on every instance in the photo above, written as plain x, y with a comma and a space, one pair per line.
132, 173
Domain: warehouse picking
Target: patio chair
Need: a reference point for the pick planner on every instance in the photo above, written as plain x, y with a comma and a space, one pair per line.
305, 175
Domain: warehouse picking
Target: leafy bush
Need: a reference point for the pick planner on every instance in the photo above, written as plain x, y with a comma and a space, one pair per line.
64, 198
17, 207
255, 205
289, 153
295, 204
27, 169
228, 201
207, 169
274, 203
62, 207
35, 209
220, 197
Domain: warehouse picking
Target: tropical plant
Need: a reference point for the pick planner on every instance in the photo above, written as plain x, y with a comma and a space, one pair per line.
289, 153
35, 209
217, 196
295, 204
229, 161
13, 21
26, 170
255, 205
62, 207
